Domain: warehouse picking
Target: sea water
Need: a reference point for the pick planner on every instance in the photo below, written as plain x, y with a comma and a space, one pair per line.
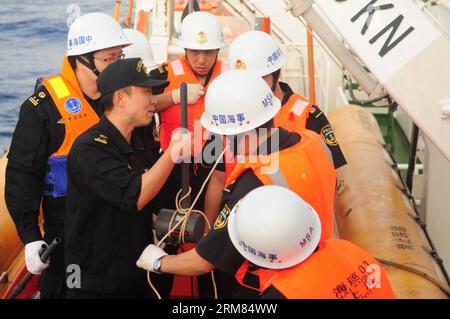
32, 43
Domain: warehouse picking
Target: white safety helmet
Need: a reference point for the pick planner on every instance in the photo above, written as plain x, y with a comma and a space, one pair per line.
92, 32
201, 30
139, 48
256, 51
238, 101
273, 227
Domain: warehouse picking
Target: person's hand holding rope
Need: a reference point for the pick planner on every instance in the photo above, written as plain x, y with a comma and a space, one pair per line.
153, 253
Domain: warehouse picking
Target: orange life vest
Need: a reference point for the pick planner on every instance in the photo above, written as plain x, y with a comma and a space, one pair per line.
305, 168
180, 71
78, 116
338, 270
294, 113
292, 117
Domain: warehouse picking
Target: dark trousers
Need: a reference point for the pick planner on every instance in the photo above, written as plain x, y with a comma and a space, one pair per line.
52, 281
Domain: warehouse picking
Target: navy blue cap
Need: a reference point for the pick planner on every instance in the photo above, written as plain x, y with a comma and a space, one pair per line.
127, 72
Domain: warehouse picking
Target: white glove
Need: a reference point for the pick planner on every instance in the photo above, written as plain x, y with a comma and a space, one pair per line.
148, 257
194, 93
32, 258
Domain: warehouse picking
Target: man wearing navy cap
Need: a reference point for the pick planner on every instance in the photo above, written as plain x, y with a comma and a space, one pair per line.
113, 176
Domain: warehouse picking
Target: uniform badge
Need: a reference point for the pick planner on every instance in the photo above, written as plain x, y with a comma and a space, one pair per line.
72, 105
37, 98
240, 65
202, 38
101, 139
222, 219
139, 65
329, 136
33, 101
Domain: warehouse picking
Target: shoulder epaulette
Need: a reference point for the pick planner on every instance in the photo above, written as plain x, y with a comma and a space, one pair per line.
101, 139
37, 98
315, 110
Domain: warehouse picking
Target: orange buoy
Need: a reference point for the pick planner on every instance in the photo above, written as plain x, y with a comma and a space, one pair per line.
374, 213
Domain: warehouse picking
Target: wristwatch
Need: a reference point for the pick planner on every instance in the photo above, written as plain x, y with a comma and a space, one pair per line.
157, 265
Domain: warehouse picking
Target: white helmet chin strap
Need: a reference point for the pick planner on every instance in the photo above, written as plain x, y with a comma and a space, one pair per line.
90, 64
275, 78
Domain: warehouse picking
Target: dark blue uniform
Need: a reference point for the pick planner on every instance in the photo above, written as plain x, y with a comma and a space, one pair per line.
39, 133
105, 233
